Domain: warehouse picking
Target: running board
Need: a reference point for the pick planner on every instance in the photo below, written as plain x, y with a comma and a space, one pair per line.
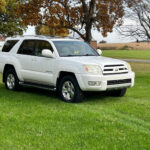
46, 87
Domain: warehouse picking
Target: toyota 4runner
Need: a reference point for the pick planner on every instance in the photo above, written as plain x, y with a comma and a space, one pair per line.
67, 65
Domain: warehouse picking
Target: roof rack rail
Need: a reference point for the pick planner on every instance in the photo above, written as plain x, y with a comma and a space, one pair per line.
27, 36
44, 36
56, 36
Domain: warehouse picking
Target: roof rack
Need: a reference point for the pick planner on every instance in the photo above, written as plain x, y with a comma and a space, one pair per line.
27, 36
44, 36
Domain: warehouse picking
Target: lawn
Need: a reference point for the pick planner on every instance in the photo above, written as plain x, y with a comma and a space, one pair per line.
34, 119
137, 54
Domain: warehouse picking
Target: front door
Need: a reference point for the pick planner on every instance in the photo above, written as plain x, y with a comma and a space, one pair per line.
43, 67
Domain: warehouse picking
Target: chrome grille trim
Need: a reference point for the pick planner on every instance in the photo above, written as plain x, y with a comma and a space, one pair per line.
115, 69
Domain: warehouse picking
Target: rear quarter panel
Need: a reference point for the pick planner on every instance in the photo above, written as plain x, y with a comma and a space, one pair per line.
1, 45
7, 58
2, 62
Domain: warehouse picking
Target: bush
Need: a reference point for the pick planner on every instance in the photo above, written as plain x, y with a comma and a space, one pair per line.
126, 47
107, 48
103, 41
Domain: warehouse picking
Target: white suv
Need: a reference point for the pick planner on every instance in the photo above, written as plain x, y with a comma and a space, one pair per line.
69, 66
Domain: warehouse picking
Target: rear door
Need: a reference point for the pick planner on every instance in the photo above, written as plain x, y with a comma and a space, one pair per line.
26, 55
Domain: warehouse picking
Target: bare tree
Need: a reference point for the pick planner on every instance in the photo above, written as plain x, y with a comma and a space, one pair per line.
139, 15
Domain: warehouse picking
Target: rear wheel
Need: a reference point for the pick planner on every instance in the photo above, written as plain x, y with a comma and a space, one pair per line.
118, 93
69, 90
11, 80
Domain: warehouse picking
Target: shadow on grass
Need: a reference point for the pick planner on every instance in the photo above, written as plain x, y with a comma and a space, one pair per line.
28, 94
40, 92
88, 96
99, 96
47, 96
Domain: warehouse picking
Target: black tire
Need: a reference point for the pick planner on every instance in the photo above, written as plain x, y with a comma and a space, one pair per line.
12, 73
118, 93
78, 94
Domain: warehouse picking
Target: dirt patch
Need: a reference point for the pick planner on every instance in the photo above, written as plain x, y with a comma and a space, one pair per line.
125, 46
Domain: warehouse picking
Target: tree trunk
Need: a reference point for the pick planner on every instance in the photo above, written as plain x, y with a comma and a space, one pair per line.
88, 35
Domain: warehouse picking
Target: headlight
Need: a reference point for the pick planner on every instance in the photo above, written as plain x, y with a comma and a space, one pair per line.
93, 69
129, 67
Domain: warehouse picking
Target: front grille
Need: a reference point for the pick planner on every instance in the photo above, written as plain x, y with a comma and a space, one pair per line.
115, 69
114, 82
113, 65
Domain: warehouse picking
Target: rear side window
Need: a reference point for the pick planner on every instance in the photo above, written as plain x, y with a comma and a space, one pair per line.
27, 47
9, 45
41, 45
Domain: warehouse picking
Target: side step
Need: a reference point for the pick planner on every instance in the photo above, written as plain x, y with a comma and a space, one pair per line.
46, 87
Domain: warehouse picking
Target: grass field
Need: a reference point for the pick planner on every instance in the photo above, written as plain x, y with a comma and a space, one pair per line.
34, 119
137, 54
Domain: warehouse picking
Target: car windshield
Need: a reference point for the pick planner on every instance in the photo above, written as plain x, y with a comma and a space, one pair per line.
74, 48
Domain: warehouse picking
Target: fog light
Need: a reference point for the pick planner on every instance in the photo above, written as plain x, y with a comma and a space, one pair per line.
94, 83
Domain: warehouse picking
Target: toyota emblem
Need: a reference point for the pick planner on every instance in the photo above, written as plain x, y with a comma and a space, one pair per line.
116, 69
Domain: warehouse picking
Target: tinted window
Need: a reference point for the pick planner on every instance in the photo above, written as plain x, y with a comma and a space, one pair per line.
27, 47
9, 45
40, 45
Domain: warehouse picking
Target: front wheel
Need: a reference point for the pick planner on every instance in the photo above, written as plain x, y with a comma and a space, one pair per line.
118, 93
69, 90
11, 80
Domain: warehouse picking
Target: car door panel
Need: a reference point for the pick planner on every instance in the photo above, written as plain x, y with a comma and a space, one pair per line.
43, 70
42, 67
25, 56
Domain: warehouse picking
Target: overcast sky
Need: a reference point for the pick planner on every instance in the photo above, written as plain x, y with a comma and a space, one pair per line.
113, 37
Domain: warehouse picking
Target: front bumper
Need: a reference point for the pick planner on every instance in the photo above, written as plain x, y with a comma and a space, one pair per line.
83, 80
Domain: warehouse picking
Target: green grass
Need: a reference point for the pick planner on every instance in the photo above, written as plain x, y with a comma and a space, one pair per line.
34, 119
137, 54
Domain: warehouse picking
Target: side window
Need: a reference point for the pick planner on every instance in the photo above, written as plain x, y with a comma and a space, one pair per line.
9, 45
40, 45
27, 47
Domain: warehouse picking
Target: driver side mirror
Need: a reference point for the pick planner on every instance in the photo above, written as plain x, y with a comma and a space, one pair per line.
99, 52
47, 53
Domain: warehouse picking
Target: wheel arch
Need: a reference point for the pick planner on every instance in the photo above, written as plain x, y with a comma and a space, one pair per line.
63, 74
7, 67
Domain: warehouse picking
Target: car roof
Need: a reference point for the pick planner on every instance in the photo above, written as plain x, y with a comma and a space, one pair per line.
41, 37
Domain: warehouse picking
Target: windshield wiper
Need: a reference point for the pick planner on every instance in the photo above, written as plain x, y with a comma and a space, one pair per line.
88, 55
71, 55
78, 55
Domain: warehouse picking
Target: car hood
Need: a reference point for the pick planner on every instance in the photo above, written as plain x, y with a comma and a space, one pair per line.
95, 60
